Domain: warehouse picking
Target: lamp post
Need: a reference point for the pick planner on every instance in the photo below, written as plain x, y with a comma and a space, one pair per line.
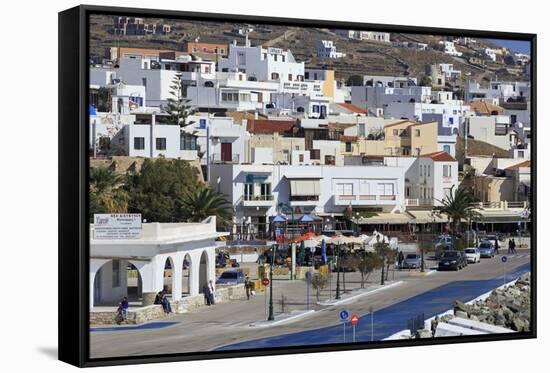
433, 232
338, 273
281, 205
273, 253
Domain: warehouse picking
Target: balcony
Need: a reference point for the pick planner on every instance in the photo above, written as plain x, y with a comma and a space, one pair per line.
364, 200
226, 159
258, 200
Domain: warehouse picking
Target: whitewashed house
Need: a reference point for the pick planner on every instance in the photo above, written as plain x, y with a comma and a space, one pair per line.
327, 49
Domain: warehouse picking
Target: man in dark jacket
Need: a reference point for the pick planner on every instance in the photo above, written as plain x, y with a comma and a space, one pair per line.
207, 294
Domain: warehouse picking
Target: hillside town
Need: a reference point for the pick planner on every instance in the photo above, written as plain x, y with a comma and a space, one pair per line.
245, 165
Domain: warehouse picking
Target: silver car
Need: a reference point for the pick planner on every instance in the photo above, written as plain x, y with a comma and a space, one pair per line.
412, 261
486, 249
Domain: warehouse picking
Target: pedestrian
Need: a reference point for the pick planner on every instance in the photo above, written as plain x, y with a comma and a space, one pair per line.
400, 258
496, 245
510, 244
247, 287
122, 311
212, 293
158, 298
166, 306
514, 246
206, 293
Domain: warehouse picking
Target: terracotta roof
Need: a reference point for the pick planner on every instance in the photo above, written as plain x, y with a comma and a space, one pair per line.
348, 138
266, 126
440, 156
353, 108
519, 165
485, 108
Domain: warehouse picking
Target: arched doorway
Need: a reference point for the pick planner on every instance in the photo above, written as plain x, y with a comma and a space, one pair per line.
203, 271
186, 276
114, 280
168, 280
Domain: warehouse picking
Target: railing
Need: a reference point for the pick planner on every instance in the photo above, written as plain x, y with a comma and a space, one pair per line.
217, 158
365, 197
387, 198
258, 198
303, 198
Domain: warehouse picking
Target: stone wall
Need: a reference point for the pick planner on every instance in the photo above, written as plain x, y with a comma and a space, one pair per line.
155, 312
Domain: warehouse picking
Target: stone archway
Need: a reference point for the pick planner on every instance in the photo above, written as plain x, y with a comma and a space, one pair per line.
203, 271
114, 279
186, 276
169, 277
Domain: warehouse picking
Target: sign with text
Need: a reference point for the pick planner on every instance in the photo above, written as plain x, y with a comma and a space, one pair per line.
117, 226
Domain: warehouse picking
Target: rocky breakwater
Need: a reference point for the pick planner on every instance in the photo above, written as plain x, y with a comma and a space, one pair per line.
508, 307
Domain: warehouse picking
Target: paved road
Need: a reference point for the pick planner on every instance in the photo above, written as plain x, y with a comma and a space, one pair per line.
225, 324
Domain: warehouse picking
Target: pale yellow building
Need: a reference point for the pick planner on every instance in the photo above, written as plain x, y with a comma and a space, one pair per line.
282, 146
410, 138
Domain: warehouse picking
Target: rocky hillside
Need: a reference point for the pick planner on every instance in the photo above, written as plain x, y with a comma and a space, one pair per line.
362, 57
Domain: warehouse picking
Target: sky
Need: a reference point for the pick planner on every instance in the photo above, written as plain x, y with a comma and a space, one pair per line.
515, 45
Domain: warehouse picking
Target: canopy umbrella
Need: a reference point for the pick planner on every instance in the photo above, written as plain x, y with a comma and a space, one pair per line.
306, 218
312, 242
279, 219
339, 240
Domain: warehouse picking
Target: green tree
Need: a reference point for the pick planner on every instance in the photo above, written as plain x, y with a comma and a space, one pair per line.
367, 264
178, 106
458, 205
354, 80
203, 202
156, 190
107, 194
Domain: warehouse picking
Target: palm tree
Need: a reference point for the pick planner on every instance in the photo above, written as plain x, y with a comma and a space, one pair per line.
106, 193
204, 202
458, 205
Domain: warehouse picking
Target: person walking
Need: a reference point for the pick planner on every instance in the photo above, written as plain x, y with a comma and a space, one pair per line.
514, 246
400, 258
247, 287
510, 244
496, 245
206, 293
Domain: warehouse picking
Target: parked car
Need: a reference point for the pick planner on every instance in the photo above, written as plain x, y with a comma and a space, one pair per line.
486, 249
412, 261
452, 260
472, 254
230, 277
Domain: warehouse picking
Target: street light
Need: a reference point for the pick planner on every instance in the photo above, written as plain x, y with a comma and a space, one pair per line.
338, 273
273, 253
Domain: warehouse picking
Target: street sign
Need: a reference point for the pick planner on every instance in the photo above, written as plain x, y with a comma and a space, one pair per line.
354, 319
344, 314
265, 281
504, 259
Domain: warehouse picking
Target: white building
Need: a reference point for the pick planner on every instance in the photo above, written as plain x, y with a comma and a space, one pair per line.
490, 53
256, 190
500, 90
494, 129
188, 247
262, 64
381, 97
327, 49
450, 49
428, 178
449, 71
383, 37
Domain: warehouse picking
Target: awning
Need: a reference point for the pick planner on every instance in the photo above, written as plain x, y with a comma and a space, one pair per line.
305, 187
425, 217
386, 218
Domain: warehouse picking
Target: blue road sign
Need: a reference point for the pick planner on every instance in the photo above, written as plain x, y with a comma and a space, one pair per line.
504, 259
344, 314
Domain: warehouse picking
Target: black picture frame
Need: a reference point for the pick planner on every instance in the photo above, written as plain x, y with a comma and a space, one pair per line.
73, 184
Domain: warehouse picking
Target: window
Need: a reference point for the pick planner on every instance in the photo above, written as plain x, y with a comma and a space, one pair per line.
451, 120
315, 154
274, 76
286, 155
265, 56
307, 75
230, 96
139, 143
395, 132
446, 171
283, 57
300, 157
348, 147
447, 148
116, 273
144, 82
274, 57
161, 143
315, 108
289, 76
344, 189
521, 154
248, 191
420, 170
188, 142
417, 133
265, 189
385, 189
429, 167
